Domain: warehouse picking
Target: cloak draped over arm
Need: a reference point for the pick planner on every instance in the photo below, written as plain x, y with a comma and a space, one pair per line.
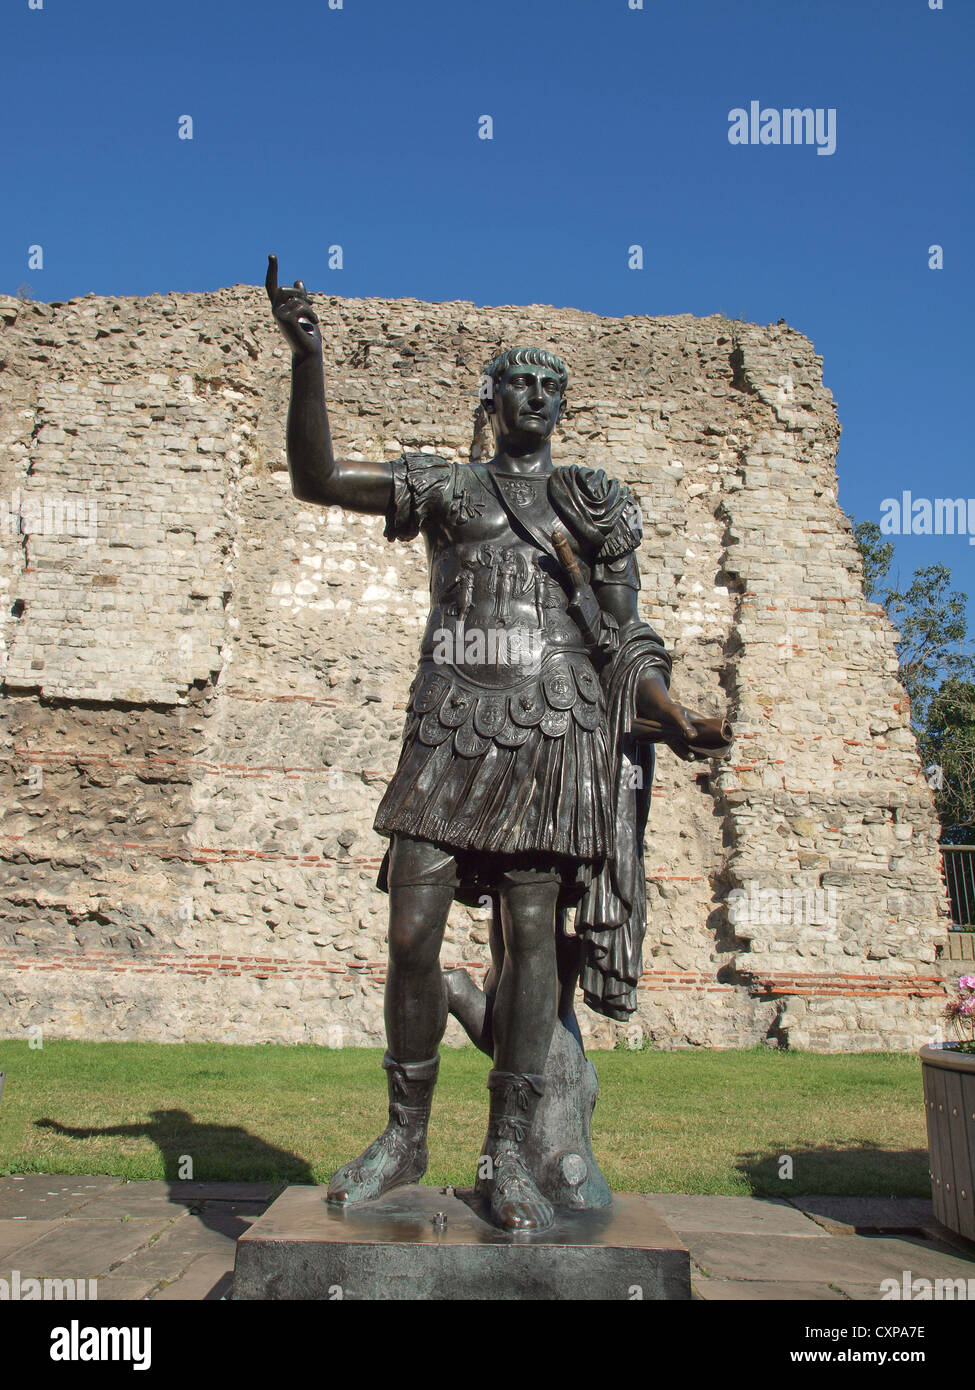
611, 918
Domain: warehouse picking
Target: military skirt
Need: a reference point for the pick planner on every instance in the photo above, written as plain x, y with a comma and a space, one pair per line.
518, 772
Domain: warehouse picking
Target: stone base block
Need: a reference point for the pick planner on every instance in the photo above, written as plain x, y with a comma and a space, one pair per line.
430, 1243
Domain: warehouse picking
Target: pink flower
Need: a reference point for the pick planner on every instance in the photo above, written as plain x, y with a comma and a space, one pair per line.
967, 982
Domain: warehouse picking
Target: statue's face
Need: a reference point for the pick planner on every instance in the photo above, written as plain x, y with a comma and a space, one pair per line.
527, 406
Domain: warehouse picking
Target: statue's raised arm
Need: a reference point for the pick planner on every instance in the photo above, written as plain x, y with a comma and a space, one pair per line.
316, 475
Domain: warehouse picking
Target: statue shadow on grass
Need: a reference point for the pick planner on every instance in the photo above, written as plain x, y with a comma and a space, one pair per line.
859, 1170
220, 1148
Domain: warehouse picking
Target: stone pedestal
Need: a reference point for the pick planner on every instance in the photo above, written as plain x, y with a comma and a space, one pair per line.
430, 1243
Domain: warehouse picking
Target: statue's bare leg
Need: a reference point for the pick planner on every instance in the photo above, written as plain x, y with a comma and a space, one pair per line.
523, 1020
474, 1007
422, 879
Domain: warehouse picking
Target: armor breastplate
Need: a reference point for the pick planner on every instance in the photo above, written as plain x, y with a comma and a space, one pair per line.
501, 653
498, 605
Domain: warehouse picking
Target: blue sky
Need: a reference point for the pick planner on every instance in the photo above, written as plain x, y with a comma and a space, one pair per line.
359, 127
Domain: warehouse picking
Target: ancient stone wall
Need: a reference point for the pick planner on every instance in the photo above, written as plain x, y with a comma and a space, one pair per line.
204, 680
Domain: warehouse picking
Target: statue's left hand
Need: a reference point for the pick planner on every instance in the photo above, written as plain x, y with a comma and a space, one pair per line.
680, 727
654, 701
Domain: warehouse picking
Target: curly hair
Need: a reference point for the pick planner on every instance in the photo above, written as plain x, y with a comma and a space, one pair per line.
523, 357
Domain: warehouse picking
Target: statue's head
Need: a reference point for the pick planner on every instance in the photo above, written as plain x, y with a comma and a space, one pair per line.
523, 393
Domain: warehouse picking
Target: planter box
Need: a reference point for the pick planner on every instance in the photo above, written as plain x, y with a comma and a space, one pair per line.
949, 1107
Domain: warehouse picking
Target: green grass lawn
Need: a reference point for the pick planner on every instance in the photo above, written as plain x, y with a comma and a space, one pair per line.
684, 1121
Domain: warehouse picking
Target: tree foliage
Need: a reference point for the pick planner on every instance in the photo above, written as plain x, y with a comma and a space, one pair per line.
948, 746
938, 672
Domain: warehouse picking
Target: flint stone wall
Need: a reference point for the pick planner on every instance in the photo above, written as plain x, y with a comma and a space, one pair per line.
204, 680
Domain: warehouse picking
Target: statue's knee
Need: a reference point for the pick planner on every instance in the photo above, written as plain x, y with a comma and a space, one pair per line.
531, 930
530, 910
413, 942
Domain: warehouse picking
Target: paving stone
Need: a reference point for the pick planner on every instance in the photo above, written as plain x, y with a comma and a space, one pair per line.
123, 1288
254, 1192
858, 1259
155, 1199
193, 1194
86, 1249
762, 1291
952, 1240
733, 1215
229, 1220
845, 1215
211, 1277
48, 1197
133, 1204
152, 1200
747, 1249
184, 1242
15, 1235
859, 1293
248, 1210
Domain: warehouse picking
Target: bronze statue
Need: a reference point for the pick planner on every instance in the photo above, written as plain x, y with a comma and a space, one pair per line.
527, 754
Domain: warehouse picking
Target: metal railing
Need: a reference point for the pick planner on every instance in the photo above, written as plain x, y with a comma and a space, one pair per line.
958, 867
